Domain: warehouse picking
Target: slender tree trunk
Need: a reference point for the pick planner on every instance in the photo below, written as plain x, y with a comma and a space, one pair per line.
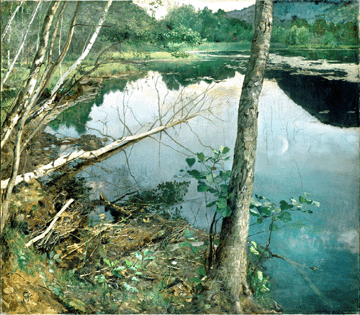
28, 99
8, 25
24, 96
230, 268
20, 47
75, 64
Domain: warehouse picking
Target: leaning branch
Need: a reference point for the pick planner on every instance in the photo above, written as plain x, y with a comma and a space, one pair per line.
89, 155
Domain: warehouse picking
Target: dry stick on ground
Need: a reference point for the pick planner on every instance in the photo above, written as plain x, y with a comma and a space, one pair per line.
39, 237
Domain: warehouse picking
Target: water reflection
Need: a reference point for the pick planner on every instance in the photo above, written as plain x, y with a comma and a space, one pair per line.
296, 153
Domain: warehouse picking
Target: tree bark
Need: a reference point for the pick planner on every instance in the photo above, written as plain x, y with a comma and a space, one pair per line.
75, 64
8, 25
24, 96
20, 47
230, 269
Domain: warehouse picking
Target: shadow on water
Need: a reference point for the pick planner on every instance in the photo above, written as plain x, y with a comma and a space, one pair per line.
333, 102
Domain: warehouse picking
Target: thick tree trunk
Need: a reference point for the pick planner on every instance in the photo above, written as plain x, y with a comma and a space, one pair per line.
230, 268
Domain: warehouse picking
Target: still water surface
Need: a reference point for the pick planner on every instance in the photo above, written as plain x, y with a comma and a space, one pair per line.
297, 152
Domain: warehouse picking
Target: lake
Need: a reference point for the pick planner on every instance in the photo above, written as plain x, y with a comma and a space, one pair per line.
308, 141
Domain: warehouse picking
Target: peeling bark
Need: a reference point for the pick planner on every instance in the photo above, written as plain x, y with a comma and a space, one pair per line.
230, 270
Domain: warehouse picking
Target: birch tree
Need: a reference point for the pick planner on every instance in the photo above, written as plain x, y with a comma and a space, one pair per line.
13, 126
21, 46
230, 270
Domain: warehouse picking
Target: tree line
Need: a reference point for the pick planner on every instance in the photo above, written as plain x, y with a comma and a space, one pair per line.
319, 33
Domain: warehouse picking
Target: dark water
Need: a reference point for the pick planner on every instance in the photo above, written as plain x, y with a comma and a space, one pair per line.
300, 149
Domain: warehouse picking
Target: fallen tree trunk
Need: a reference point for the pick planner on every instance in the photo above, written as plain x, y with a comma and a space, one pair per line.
90, 155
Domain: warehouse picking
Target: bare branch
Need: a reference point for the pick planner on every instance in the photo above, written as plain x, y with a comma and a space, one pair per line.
39, 237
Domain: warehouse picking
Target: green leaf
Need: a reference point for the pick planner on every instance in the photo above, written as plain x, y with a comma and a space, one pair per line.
196, 174
190, 161
228, 174
201, 156
195, 249
260, 275
209, 178
133, 278
225, 150
253, 243
309, 211
188, 233
254, 251
266, 210
284, 205
224, 188
128, 263
202, 188
226, 213
273, 227
221, 203
211, 204
201, 271
285, 217
255, 213
303, 200
107, 261
255, 203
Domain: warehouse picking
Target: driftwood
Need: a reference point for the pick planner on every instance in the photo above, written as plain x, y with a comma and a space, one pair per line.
42, 235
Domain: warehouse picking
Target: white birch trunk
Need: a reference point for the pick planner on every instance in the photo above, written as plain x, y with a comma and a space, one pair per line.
76, 63
24, 98
8, 25
20, 47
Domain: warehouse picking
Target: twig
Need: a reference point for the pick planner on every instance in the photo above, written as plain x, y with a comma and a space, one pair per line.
51, 224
